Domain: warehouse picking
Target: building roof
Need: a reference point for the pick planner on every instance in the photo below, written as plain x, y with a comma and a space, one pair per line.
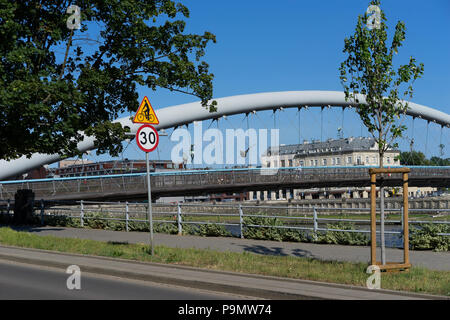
330, 146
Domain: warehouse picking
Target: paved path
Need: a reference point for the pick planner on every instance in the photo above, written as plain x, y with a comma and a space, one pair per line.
428, 259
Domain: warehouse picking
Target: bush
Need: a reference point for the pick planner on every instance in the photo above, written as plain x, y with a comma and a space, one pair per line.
206, 230
275, 234
346, 238
62, 221
170, 228
426, 237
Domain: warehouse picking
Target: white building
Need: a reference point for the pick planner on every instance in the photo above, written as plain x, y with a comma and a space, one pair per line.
331, 153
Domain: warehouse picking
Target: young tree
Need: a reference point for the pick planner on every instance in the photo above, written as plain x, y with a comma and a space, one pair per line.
373, 78
369, 71
57, 81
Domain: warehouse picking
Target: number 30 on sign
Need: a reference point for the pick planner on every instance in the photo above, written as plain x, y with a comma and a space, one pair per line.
147, 138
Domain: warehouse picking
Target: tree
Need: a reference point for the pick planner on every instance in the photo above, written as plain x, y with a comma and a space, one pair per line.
437, 161
417, 158
373, 78
369, 71
58, 82
413, 158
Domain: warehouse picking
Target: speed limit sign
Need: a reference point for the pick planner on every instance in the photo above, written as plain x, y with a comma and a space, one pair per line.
147, 138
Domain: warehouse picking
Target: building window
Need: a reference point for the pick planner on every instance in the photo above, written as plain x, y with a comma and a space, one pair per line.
367, 160
324, 162
283, 163
312, 163
290, 163
338, 161
333, 161
349, 160
358, 160
301, 163
268, 164
316, 162
388, 160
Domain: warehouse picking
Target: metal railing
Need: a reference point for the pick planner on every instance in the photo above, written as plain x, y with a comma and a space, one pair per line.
181, 180
228, 215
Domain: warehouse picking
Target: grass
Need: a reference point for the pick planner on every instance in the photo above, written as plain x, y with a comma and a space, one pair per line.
416, 280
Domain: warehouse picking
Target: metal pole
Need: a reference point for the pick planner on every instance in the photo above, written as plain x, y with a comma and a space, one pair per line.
405, 219
373, 226
315, 221
81, 213
402, 210
383, 243
241, 221
180, 228
149, 207
127, 216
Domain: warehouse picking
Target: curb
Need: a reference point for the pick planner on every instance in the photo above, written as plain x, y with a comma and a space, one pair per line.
199, 284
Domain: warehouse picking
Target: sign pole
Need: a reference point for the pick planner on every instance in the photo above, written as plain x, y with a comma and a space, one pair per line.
149, 203
147, 139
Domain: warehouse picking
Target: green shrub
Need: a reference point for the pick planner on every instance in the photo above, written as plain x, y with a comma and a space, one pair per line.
170, 228
426, 237
206, 230
339, 237
62, 221
275, 234
261, 233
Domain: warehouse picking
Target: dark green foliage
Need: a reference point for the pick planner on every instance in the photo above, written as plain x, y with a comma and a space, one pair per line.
276, 234
425, 237
345, 238
56, 83
207, 230
170, 228
259, 233
417, 158
62, 221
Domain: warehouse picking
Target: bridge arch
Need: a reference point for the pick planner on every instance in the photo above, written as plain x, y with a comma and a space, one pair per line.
179, 115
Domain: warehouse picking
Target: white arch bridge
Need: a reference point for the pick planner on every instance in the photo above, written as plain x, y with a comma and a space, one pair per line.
179, 115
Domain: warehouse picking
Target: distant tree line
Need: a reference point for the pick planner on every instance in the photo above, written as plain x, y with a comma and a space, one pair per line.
417, 158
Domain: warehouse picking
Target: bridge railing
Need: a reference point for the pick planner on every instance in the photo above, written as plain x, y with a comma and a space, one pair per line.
166, 181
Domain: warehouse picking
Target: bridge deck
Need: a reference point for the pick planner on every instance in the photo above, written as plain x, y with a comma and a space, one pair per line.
197, 182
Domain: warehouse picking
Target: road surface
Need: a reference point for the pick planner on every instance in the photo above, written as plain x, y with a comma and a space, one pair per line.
23, 281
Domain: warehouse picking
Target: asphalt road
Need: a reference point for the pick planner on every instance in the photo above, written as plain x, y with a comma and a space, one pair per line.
22, 281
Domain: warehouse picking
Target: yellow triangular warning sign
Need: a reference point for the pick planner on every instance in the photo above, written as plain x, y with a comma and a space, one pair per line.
145, 113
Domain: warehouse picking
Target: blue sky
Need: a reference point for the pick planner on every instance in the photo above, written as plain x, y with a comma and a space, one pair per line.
285, 45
